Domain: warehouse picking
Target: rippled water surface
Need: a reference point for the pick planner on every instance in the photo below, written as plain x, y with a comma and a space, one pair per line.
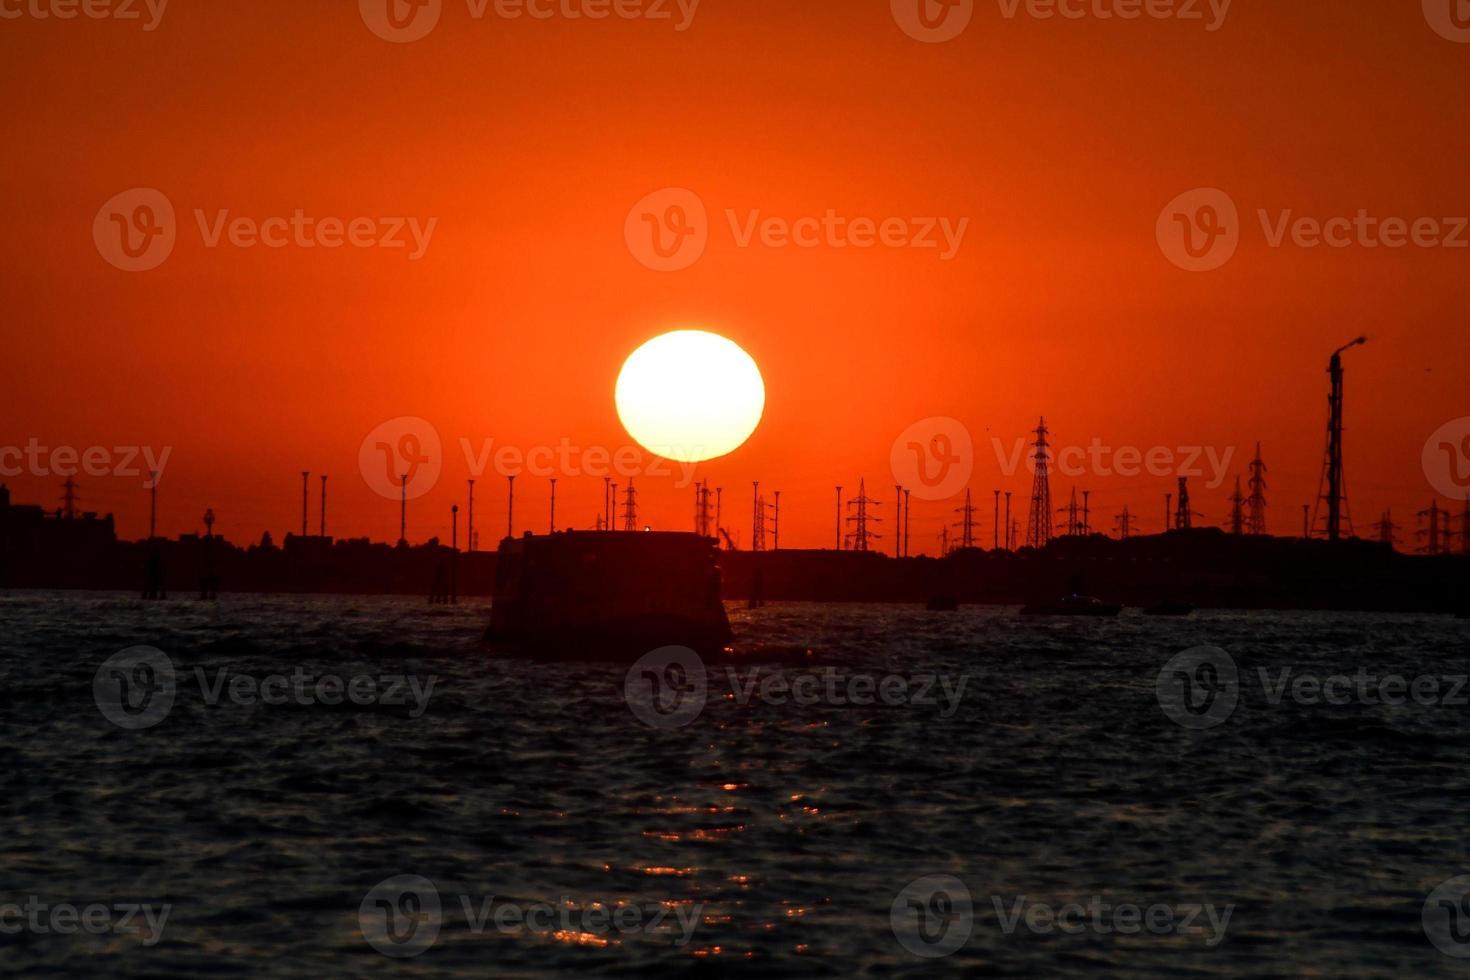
783, 832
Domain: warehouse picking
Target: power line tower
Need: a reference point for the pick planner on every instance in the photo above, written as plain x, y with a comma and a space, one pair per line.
1237, 510
839, 518
630, 507
861, 537
1071, 511
1124, 527
69, 499
702, 519
1256, 502
1039, 531
906, 522
1184, 516
967, 523
1437, 521
897, 521
1086, 512
1010, 527
1465, 527
1333, 480
757, 517
776, 522
1385, 529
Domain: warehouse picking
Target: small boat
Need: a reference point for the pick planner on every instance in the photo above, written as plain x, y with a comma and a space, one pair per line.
607, 595
1072, 605
1169, 608
942, 603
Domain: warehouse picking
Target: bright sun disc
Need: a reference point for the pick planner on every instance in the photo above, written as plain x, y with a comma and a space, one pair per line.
690, 395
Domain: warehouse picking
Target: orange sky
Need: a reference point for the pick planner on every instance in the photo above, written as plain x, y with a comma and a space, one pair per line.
529, 141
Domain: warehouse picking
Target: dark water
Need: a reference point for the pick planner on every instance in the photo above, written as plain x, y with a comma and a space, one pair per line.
783, 833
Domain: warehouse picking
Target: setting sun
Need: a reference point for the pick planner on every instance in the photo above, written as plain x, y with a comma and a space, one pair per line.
690, 395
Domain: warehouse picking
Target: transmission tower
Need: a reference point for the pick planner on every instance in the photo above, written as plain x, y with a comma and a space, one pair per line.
1332, 488
630, 507
1040, 529
1124, 527
1437, 523
1071, 511
702, 518
757, 517
1385, 529
1184, 516
1256, 502
967, 523
776, 522
1237, 510
69, 499
861, 537
1465, 527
